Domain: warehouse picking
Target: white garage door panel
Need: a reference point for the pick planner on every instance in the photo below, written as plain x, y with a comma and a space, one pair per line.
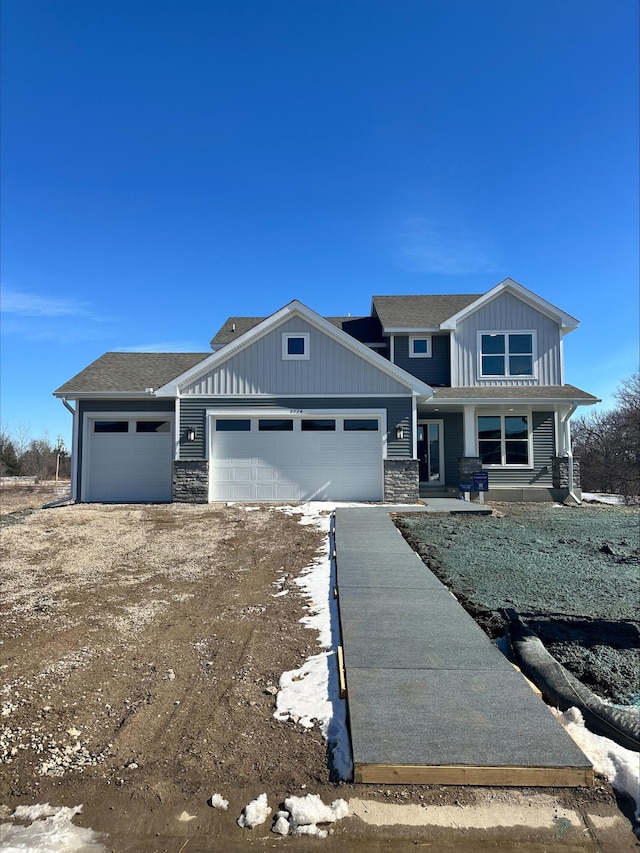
296, 465
129, 466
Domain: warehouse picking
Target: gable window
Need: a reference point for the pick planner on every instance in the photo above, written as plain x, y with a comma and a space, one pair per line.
508, 354
295, 345
504, 440
420, 346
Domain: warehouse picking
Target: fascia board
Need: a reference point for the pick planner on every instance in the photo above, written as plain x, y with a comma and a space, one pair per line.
104, 395
292, 309
566, 322
406, 330
511, 401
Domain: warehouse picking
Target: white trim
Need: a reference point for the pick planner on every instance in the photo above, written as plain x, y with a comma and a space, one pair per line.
427, 354
453, 360
470, 431
294, 309
414, 428
305, 355
392, 349
529, 440
506, 333
296, 396
113, 416
176, 432
421, 331
75, 442
566, 322
561, 358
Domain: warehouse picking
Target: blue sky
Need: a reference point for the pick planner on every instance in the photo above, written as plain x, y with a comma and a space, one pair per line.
166, 165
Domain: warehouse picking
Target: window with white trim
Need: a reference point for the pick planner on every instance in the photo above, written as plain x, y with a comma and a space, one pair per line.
419, 346
505, 440
295, 346
508, 354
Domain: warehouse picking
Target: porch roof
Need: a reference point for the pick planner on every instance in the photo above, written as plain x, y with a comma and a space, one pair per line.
517, 393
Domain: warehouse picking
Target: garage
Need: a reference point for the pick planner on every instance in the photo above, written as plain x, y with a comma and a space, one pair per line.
296, 457
128, 459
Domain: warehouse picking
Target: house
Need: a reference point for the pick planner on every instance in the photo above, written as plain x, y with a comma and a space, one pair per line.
406, 402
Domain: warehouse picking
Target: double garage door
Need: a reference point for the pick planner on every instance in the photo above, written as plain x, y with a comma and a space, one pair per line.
128, 459
296, 457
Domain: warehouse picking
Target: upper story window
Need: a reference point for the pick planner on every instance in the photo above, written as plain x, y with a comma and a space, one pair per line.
509, 354
419, 346
295, 345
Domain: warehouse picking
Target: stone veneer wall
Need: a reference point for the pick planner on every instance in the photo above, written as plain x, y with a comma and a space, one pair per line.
401, 483
560, 472
191, 482
468, 465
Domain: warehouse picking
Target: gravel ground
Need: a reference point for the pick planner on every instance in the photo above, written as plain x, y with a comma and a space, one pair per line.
571, 572
140, 653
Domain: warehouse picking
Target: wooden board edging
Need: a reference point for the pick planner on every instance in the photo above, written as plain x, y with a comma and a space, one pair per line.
418, 774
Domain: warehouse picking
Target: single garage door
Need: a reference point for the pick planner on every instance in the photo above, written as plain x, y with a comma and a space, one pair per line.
296, 458
128, 460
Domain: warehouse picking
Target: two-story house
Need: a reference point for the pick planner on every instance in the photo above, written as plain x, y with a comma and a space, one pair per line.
403, 403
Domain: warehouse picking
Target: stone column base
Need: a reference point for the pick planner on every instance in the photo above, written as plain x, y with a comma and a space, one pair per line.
191, 482
401, 481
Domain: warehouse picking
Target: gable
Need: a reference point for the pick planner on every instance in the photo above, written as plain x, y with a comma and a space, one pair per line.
337, 365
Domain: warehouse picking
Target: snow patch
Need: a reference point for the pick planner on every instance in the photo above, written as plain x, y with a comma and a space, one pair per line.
254, 813
50, 831
217, 801
618, 765
311, 694
305, 813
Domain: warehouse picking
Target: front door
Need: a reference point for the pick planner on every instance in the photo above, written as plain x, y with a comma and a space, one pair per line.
431, 452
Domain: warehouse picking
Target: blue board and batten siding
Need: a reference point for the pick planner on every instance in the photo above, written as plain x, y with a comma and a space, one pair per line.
332, 368
507, 313
193, 416
435, 370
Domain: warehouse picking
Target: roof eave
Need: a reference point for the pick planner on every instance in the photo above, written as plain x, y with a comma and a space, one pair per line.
104, 395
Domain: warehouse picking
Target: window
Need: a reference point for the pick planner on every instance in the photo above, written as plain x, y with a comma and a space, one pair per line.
506, 354
153, 426
420, 346
111, 426
318, 425
295, 346
275, 425
504, 439
361, 424
233, 425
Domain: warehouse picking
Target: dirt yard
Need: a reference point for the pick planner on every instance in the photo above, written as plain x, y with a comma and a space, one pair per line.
140, 653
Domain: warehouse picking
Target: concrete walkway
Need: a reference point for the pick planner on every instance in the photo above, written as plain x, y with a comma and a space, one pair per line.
431, 699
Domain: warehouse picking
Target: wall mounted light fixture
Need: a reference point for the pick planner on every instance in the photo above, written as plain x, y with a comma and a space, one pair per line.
191, 434
399, 433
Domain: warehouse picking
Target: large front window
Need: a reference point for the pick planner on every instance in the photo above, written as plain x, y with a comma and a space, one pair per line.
506, 354
504, 439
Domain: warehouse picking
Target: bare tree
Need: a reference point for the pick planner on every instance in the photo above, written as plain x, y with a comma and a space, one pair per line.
608, 444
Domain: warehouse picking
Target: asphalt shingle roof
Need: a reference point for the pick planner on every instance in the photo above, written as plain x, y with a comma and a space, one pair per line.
514, 392
130, 372
420, 311
365, 329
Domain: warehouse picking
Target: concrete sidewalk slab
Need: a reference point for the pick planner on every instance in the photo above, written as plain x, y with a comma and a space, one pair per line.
431, 699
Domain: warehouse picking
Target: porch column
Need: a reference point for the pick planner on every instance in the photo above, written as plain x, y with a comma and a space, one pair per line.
469, 422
